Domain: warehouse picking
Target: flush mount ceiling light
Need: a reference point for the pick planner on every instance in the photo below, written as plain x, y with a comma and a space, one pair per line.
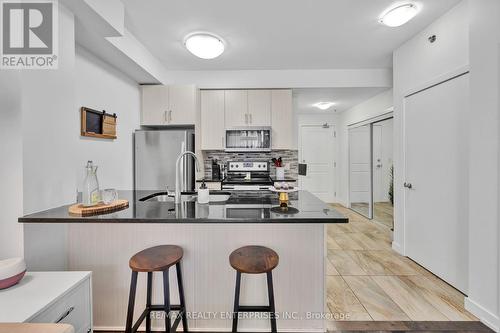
204, 45
399, 15
324, 105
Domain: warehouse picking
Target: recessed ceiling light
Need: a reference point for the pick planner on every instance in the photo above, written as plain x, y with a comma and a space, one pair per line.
399, 15
204, 45
324, 105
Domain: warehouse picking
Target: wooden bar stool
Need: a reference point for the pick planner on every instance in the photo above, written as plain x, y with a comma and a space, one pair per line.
254, 260
157, 259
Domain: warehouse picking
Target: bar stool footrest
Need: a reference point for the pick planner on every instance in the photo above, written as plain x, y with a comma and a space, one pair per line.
148, 310
254, 308
160, 307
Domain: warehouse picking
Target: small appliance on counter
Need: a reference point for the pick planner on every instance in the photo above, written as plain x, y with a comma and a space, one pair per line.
216, 170
247, 176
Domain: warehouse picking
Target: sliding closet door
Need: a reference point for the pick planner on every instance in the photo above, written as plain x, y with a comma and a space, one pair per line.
436, 179
360, 178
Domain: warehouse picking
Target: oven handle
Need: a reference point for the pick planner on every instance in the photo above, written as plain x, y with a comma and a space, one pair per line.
245, 187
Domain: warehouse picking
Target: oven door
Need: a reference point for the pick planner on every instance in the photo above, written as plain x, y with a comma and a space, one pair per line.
248, 139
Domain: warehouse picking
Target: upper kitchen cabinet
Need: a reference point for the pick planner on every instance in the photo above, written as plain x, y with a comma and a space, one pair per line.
259, 107
154, 109
212, 119
236, 106
282, 119
169, 105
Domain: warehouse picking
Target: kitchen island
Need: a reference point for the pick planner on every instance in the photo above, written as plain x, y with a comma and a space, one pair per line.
208, 234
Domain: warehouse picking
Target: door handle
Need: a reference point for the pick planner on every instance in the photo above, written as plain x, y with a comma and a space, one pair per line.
408, 185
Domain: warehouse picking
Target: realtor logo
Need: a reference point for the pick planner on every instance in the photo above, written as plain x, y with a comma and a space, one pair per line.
29, 34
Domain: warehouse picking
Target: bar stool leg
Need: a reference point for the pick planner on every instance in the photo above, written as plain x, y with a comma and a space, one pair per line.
236, 302
166, 301
181, 297
270, 291
131, 303
148, 302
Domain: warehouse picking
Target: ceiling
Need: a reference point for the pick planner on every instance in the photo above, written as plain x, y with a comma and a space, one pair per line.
276, 34
344, 98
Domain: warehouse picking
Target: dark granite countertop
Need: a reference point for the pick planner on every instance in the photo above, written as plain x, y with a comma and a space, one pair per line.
242, 207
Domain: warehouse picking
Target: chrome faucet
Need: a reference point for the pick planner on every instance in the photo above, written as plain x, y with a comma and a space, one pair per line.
177, 176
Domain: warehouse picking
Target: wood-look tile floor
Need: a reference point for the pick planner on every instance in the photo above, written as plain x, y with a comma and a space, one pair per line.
368, 281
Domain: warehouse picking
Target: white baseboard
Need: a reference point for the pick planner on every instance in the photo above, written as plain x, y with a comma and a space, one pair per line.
396, 247
122, 328
489, 319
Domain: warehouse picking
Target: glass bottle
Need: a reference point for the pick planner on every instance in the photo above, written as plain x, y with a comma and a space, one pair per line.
91, 193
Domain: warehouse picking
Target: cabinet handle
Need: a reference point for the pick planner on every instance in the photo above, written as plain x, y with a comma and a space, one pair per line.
65, 314
251, 120
246, 118
165, 119
170, 116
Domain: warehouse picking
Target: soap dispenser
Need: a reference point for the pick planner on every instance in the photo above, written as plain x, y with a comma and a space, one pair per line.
203, 193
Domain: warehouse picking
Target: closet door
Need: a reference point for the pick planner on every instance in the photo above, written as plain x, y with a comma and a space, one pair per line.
436, 175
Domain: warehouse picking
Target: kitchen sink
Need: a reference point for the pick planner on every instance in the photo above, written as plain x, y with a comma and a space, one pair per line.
215, 196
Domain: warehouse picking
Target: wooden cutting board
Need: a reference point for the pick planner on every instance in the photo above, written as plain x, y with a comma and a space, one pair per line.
80, 210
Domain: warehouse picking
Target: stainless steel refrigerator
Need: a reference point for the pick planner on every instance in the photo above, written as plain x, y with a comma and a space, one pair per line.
156, 152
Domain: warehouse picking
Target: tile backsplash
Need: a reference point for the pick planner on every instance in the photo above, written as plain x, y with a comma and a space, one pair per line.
288, 156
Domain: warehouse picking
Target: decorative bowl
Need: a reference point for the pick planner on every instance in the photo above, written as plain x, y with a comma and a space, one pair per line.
11, 272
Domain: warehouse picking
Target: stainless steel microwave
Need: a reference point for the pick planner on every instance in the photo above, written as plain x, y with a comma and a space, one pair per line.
248, 139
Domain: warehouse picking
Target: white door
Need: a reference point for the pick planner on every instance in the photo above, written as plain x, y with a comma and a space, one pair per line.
316, 148
435, 211
212, 119
259, 107
236, 109
360, 187
154, 108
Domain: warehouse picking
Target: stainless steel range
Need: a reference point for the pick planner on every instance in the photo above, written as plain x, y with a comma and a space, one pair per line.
247, 176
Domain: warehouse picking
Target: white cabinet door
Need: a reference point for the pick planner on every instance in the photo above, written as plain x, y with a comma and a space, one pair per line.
236, 110
259, 107
435, 207
154, 105
183, 102
282, 119
212, 119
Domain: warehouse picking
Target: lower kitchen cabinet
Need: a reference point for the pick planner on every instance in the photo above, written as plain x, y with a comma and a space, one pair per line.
50, 297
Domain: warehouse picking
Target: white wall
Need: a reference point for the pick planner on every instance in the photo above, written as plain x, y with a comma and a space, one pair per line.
484, 258
416, 63
54, 154
327, 78
371, 108
101, 87
11, 166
